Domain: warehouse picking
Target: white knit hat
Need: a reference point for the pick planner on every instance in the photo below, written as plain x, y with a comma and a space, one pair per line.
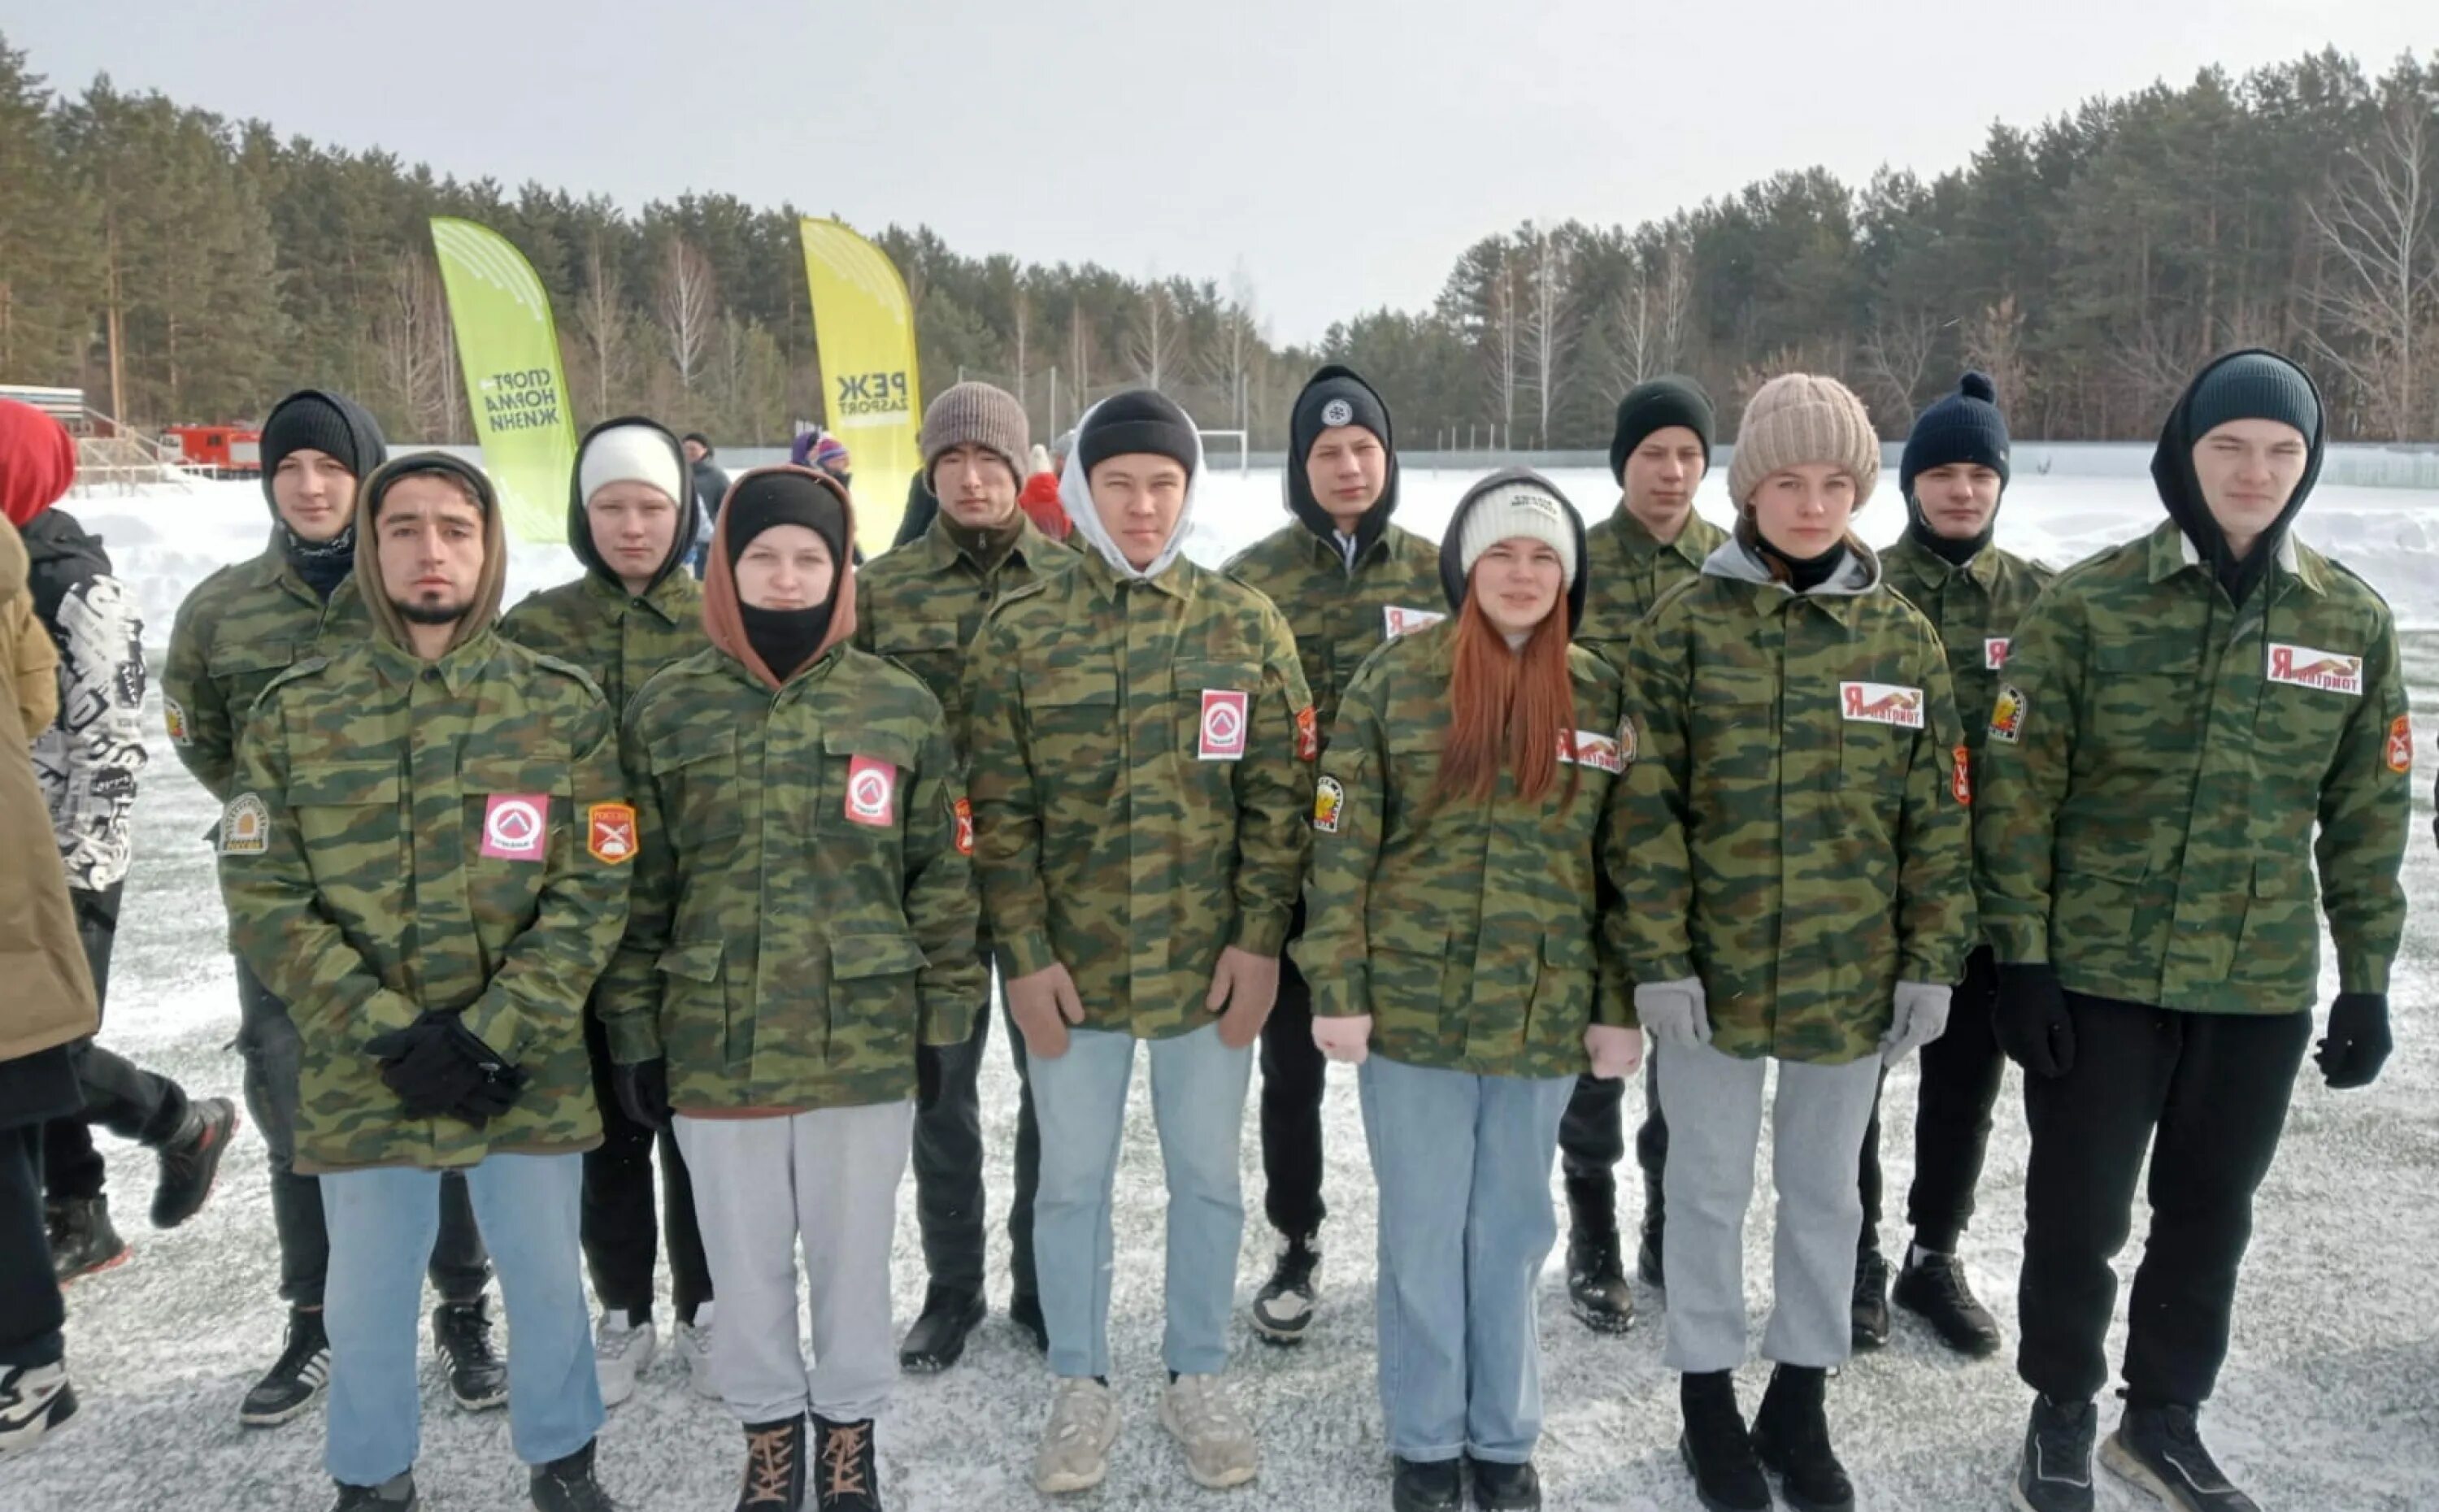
631, 454
1511, 511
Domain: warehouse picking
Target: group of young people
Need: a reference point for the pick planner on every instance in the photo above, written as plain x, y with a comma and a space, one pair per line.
726, 871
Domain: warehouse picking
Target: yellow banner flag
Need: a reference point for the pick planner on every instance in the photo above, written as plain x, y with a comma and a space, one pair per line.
510, 350
864, 327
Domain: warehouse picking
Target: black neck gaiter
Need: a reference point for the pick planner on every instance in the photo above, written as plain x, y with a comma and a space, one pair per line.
786, 639
323, 564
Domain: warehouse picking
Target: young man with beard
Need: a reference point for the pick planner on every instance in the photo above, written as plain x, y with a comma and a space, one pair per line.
636, 611
1348, 579
239, 629
417, 860
1142, 748
2182, 723
919, 605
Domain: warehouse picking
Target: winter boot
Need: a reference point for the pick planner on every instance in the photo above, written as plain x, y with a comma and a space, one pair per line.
461, 1333
295, 1379
774, 1466
1717, 1452
1025, 1310
937, 1339
1506, 1487
1282, 1309
1596, 1288
1933, 1287
1790, 1438
190, 1160
1871, 1300
1655, 1228
34, 1400
2054, 1475
566, 1485
83, 1243
2159, 1449
845, 1479
397, 1494
1426, 1485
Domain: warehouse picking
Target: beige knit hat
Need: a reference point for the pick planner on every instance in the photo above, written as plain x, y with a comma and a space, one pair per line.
1800, 417
977, 414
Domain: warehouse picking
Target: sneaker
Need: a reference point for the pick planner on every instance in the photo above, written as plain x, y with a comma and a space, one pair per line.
1025, 1310
461, 1333
190, 1161
1790, 1438
1427, 1485
845, 1479
2055, 1474
2160, 1451
1871, 1300
1075, 1453
774, 1466
34, 1400
83, 1243
621, 1350
1506, 1487
1218, 1443
1282, 1309
295, 1381
397, 1494
937, 1339
1933, 1287
1716, 1448
566, 1485
694, 1347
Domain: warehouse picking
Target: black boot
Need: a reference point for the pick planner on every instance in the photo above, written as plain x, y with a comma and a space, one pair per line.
1596, 1288
1025, 1310
1506, 1487
1935, 1287
1871, 1300
83, 1238
190, 1160
1717, 1449
937, 1339
2055, 1474
1655, 1226
566, 1485
1427, 1485
1790, 1436
846, 1478
774, 1466
397, 1494
461, 1333
2159, 1449
295, 1379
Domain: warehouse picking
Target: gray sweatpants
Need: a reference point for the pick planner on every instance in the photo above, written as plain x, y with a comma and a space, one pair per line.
1713, 1103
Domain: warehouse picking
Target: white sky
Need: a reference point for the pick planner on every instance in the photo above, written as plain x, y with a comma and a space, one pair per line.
1340, 151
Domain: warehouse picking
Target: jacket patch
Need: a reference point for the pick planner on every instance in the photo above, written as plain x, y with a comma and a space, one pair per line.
1397, 621
2400, 744
516, 826
872, 793
1329, 803
1626, 743
1224, 726
245, 826
610, 832
2008, 714
2329, 672
1307, 734
1881, 704
1960, 782
1994, 652
173, 714
1591, 749
964, 813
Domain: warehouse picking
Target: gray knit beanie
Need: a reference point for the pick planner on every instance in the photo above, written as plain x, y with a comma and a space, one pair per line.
980, 414
1801, 417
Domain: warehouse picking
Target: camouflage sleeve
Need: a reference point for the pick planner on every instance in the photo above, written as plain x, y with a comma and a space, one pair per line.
1274, 794
201, 730
1007, 814
1935, 837
548, 970
2366, 813
2025, 763
1648, 857
628, 996
1349, 815
1614, 989
940, 904
276, 924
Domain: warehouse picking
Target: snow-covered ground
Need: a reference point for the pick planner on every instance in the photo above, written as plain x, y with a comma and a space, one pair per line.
2330, 1400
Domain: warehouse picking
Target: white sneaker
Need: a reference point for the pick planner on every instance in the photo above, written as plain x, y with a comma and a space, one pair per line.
33, 1400
1075, 1453
621, 1350
694, 1347
1218, 1443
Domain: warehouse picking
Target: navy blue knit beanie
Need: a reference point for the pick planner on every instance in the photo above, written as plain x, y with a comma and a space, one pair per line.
1964, 427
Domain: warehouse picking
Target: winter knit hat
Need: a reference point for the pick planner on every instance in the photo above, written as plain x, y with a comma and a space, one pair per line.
310, 418
829, 455
1335, 396
1527, 509
1964, 427
982, 414
1802, 417
1656, 405
783, 496
1038, 465
2255, 385
629, 453
1137, 420
37, 462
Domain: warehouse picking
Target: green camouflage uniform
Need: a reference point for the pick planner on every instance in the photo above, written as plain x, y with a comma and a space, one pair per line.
921, 604
618, 639
368, 786
1465, 928
1341, 614
2158, 763
1627, 570
801, 916
1105, 840
1796, 829
239, 629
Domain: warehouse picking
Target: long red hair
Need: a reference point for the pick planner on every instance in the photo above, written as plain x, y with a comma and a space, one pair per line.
1510, 711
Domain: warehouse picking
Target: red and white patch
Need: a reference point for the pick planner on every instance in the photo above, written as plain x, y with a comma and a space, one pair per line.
516, 826
965, 816
1881, 704
1397, 621
610, 832
2008, 714
1601, 753
1994, 652
1224, 726
1328, 804
1307, 734
872, 792
2400, 744
2303, 666
1960, 782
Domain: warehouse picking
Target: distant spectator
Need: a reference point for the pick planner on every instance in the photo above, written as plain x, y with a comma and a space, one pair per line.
1040, 496
711, 487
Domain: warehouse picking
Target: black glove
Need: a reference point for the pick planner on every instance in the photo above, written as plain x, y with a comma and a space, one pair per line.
421, 1065
498, 1082
2032, 1021
2358, 1042
928, 1072
643, 1092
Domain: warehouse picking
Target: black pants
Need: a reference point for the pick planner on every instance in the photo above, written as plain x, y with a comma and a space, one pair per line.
948, 1160
124, 1097
2207, 1095
30, 1311
1961, 1071
621, 1238
273, 1052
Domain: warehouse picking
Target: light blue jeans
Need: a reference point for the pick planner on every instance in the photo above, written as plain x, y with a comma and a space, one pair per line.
381, 1227
1463, 1163
1197, 1103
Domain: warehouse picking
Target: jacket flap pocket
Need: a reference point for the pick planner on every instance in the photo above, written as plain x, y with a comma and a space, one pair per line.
1734, 685
1065, 686
697, 961
857, 957
490, 773
690, 743
873, 741
250, 656
2159, 655
342, 783
919, 635
1567, 952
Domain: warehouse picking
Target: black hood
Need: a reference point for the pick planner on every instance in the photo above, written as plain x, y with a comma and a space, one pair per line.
1303, 430
579, 528
2181, 490
62, 556
1452, 574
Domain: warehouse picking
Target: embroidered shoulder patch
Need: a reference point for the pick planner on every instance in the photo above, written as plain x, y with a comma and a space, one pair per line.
610, 832
2400, 744
2008, 714
245, 826
173, 714
1881, 704
1329, 803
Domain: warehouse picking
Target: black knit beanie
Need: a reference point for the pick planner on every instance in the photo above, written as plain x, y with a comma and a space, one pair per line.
1965, 426
1656, 405
778, 497
1137, 420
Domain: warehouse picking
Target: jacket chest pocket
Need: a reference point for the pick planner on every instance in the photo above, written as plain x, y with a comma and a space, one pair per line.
1732, 721
1878, 717
517, 813
1215, 714
2144, 700
242, 670
694, 766
2300, 715
866, 780
875, 1007
932, 649
346, 814
1071, 716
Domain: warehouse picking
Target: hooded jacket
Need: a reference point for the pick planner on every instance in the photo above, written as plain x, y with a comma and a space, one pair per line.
1076, 497
2181, 490
1452, 578
89, 756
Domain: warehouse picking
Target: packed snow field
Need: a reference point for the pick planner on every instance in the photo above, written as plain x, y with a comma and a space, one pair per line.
2330, 1400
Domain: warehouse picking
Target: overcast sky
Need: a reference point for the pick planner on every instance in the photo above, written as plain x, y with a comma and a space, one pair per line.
1340, 151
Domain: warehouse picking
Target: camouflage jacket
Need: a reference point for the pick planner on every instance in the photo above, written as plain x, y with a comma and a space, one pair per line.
1627, 570
241, 627
921, 604
407, 837
1142, 780
1465, 929
804, 906
1796, 833
1341, 614
619, 640
2158, 761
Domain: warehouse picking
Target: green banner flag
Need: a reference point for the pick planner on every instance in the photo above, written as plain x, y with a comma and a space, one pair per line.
510, 352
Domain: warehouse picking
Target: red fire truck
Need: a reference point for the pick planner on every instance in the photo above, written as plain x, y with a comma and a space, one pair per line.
220, 448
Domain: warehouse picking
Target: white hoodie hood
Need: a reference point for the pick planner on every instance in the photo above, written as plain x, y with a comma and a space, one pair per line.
1075, 494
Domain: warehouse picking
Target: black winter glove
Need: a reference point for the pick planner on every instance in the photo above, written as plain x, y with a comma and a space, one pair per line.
643, 1091
2357, 1042
421, 1065
499, 1081
2033, 1026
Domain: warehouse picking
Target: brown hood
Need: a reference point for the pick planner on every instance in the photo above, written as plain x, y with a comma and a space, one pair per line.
485, 612
15, 564
720, 620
